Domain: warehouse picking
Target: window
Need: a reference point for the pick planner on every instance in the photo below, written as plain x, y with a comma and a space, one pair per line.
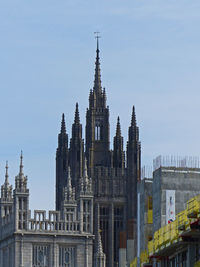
40, 256
86, 215
97, 132
66, 257
20, 203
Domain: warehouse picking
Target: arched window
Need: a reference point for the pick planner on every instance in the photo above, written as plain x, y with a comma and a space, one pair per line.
98, 131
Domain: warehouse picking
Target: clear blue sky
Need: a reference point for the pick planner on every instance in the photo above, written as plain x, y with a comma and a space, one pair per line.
149, 57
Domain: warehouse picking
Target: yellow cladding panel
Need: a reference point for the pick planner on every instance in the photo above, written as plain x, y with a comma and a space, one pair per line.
156, 234
183, 220
161, 236
193, 206
134, 263
170, 232
144, 257
156, 243
166, 236
151, 247
197, 264
174, 231
150, 216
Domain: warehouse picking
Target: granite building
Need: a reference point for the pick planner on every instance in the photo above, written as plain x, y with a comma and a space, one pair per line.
59, 239
96, 197
114, 173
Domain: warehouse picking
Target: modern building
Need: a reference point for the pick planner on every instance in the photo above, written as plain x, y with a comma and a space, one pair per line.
177, 243
175, 181
175, 231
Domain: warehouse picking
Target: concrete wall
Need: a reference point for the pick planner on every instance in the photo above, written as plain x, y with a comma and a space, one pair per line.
185, 182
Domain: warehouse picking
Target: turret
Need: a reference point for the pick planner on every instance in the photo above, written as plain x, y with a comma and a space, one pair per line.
133, 174
6, 200
69, 204
21, 199
134, 149
62, 159
85, 199
76, 152
118, 153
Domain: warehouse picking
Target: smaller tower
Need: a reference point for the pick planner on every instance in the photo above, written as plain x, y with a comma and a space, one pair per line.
133, 176
85, 202
118, 153
6, 200
69, 204
21, 199
61, 163
76, 152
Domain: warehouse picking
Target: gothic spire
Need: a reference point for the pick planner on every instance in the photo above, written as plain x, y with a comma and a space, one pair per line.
133, 129
97, 76
133, 118
118, 153
99, 245
20, 179
6, 175
21, 164
118, 128
69, 193
63, 127
6, 189
76, 117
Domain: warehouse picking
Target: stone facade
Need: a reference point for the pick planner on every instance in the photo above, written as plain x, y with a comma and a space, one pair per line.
96, 197
63, 238
114, 176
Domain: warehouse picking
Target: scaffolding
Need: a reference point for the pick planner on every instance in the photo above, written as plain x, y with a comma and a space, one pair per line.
173, 234
146, 172
176, 161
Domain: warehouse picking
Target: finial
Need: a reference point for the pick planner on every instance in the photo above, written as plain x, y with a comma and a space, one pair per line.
6, 175
97, 37
21, 163
133, 118
63, 127
118, 128
69, 182
99, 248
76, 117
85, 171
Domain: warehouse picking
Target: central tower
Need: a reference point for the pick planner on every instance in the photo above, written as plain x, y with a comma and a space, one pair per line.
113, 176
97, 123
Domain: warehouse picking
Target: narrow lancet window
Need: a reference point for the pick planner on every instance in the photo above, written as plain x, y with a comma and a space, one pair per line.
97, 133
